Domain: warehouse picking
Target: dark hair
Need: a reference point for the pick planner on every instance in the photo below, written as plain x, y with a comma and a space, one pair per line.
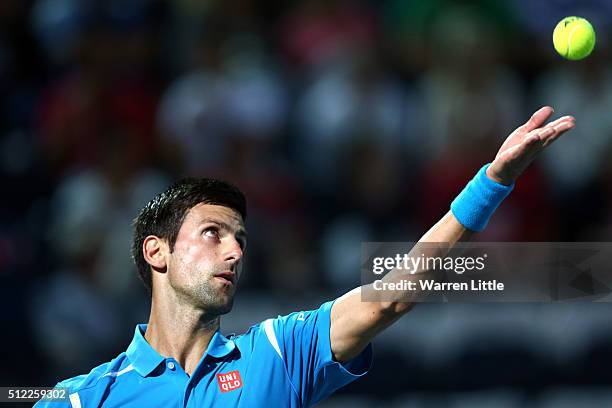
164, 214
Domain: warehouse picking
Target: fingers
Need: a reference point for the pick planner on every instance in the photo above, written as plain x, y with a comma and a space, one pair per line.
539, 135
525, 150
559, 121
558, 131
523, 146
546, 135
537, 119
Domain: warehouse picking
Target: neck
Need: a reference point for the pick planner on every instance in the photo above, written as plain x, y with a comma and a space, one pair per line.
180, 331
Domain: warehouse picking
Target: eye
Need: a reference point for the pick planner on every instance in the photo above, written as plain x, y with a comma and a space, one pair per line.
211, 232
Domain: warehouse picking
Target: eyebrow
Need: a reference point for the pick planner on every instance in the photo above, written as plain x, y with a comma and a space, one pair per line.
241, 232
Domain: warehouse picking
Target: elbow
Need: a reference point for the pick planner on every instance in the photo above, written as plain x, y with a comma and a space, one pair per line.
394, 309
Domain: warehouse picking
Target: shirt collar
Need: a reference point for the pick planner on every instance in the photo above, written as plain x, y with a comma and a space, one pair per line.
220, 346
145, 359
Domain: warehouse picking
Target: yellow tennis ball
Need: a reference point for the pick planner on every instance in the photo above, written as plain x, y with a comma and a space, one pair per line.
574, 38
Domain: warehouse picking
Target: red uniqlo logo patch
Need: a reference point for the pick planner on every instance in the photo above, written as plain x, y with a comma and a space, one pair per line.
229, 381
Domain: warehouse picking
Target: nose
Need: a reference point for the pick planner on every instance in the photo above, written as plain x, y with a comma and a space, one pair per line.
233, 251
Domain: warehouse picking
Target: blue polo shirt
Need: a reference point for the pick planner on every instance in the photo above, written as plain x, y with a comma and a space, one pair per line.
285, 361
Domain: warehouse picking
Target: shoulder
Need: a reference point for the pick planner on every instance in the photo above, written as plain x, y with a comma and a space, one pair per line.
287, 327
94, 377
291, 318
302, 319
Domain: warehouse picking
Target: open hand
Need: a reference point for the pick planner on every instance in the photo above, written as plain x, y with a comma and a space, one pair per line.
522, 146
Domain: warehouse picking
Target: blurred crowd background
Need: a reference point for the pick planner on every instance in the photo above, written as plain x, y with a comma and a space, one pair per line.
343, 122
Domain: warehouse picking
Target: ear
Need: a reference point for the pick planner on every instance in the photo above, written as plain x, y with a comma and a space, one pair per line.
154, 250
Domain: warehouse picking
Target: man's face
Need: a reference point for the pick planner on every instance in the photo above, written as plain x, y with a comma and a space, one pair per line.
206, 262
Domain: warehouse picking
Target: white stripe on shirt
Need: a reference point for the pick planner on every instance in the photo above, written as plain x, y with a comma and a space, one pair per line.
75, 401
269, 329
118, 373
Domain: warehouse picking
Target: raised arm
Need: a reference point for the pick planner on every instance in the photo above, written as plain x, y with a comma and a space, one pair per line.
354, 323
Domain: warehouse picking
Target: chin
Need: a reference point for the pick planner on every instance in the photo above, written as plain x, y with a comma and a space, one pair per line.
227, 307
213, 302
220, 308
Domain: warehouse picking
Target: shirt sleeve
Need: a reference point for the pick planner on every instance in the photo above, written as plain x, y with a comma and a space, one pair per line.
303, 342
64, 403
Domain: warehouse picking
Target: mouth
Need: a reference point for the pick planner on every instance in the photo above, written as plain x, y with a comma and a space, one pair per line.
227, 277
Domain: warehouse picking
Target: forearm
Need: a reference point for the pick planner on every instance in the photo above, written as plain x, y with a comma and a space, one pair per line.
447, 232
354, 322
376, 316
470, 212
367, 319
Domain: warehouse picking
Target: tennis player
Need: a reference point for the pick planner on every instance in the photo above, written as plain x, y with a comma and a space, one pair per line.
188, 247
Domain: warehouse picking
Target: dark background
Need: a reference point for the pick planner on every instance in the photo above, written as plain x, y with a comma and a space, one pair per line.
343, 121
